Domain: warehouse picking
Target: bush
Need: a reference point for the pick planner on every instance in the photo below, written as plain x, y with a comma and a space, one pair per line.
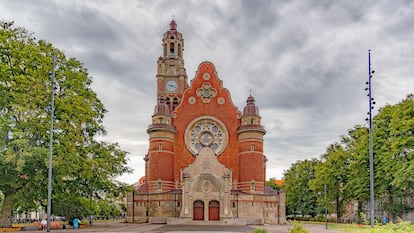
298, 228
259, 231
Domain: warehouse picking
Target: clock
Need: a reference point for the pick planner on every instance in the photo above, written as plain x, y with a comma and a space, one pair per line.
171, 85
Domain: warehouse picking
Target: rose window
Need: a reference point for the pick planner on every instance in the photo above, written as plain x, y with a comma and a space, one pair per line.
206, 132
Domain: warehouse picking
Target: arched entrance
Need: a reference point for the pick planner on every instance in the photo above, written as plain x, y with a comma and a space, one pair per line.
213, 211
198, 210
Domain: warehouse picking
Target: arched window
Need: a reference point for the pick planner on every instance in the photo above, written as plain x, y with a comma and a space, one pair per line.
168, 101
175, 102
172, 49
165, 50
159, 184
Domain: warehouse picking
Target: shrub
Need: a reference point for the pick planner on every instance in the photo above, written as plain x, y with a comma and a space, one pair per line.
298, 228
259, 231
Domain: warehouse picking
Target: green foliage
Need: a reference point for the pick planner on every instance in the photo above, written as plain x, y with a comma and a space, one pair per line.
344, 168
300, 198
259, 231
298, 228
333, 173
81, 165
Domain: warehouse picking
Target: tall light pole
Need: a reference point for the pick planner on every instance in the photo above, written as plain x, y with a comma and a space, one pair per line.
371, 152
49, 180
326, 207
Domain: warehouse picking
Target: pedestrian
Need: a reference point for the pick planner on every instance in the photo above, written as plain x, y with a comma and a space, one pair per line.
44, 224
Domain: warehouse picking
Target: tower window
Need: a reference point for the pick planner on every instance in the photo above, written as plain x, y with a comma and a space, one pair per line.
160, 146
252, 147
175, 102
159, 184
168, 101
165, 50
251, 121
172, 49
252, 185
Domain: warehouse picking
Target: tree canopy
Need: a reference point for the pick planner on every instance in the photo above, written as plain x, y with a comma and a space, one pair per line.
82, 166
344, 168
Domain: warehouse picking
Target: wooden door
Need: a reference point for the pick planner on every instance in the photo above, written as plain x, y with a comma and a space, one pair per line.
213, 211
198, 210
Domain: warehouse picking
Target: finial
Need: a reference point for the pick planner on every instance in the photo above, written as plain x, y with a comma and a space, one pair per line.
173, 25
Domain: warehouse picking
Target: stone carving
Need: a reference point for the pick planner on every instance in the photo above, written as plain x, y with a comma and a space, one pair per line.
206, 92
206, 132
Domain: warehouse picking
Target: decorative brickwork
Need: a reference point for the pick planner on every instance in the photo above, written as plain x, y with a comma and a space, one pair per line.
205, 160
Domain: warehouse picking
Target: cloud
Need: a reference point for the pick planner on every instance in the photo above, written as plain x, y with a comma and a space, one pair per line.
305, 62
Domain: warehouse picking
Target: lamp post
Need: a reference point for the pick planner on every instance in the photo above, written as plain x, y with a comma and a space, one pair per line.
371, 153
49, 180
326, 207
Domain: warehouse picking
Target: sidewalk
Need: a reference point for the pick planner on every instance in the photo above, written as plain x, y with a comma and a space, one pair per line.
117, 227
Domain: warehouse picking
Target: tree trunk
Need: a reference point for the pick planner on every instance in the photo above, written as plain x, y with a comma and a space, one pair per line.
7, 209
359, 211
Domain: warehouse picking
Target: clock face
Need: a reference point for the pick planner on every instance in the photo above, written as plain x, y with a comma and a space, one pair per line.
171, 85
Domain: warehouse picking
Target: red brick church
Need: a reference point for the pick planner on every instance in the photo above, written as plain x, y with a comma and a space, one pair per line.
205, 160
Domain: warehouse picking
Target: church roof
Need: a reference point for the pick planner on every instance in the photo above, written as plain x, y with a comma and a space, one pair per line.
162, 108
251, 109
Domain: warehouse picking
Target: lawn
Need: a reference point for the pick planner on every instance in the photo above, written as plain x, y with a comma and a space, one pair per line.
402, 227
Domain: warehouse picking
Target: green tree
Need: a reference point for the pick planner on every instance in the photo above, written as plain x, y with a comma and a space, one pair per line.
393, 137
25, 88
333, 172
357, 188
300, 199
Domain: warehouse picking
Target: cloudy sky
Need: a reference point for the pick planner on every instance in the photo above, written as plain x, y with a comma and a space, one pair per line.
305, 62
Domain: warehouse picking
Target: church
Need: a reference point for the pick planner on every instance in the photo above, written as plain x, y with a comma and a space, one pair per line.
205, 162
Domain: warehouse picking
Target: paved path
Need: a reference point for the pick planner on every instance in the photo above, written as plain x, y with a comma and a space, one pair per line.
116, 227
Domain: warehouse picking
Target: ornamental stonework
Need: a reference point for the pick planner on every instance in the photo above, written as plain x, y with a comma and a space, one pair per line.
206, 132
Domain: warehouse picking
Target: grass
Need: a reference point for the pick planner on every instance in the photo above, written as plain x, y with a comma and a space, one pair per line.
401, 227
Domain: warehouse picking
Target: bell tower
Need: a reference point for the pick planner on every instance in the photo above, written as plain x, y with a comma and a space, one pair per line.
171, 73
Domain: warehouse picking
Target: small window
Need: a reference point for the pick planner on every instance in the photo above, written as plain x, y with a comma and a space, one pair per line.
252, 185
175, 102
171, 48
252, 147
165, 50
178, 204
160, 146
159, 183
234, 204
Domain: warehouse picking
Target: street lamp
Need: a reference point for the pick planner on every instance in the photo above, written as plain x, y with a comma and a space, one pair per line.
49, 180
326, 208
371, 153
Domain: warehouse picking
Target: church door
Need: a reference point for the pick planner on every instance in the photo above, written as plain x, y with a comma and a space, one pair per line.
198, 210
213, 211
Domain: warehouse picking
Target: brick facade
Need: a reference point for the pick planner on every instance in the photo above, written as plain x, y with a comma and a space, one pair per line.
205, 160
